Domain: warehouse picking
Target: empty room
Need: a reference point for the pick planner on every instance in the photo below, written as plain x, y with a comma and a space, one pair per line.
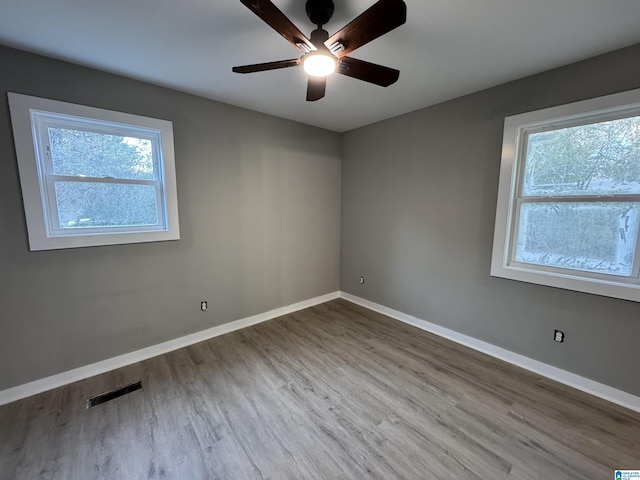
316, 239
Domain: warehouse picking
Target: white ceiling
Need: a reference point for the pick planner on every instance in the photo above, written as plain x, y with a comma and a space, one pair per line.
446, 49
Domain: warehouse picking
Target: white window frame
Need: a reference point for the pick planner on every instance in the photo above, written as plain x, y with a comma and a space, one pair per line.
516, 129
31, 117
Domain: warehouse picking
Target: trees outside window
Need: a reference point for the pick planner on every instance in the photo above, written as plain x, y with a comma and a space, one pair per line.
576, 205
569, 198
92, 176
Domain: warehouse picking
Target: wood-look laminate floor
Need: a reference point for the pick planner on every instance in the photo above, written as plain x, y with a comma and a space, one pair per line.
332, 392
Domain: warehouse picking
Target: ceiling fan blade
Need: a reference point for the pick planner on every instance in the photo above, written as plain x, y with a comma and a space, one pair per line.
379, 19
369, 72
315, 88
261, 67
277, 20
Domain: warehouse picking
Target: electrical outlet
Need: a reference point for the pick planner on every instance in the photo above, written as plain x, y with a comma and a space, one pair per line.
558, 336
203, 306
361, 280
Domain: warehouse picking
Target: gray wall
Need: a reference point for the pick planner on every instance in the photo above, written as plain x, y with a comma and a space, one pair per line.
259, 201
418, 207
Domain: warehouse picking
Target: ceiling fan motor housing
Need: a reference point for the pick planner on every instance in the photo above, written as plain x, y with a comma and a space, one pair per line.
319, 11
318, 37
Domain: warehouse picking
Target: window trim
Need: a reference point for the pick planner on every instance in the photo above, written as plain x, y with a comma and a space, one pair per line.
516, 128
24, 109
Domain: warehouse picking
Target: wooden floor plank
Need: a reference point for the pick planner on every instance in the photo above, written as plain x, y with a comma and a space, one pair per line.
335, 391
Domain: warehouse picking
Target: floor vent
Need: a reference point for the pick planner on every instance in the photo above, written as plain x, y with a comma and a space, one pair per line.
118, 392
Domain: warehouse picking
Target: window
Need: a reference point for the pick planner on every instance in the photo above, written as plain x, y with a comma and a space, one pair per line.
93, 177
568, 209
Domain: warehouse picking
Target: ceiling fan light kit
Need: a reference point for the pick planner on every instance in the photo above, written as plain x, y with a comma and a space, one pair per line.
319, 64
324, 54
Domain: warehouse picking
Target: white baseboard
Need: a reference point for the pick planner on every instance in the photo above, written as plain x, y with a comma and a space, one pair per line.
587, 385
70, 376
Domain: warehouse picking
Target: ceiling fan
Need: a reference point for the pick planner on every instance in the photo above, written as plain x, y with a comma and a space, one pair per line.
322, 54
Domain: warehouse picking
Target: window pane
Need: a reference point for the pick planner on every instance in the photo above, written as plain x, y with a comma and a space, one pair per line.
89, 154
595, 237
87, 204
600, 158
